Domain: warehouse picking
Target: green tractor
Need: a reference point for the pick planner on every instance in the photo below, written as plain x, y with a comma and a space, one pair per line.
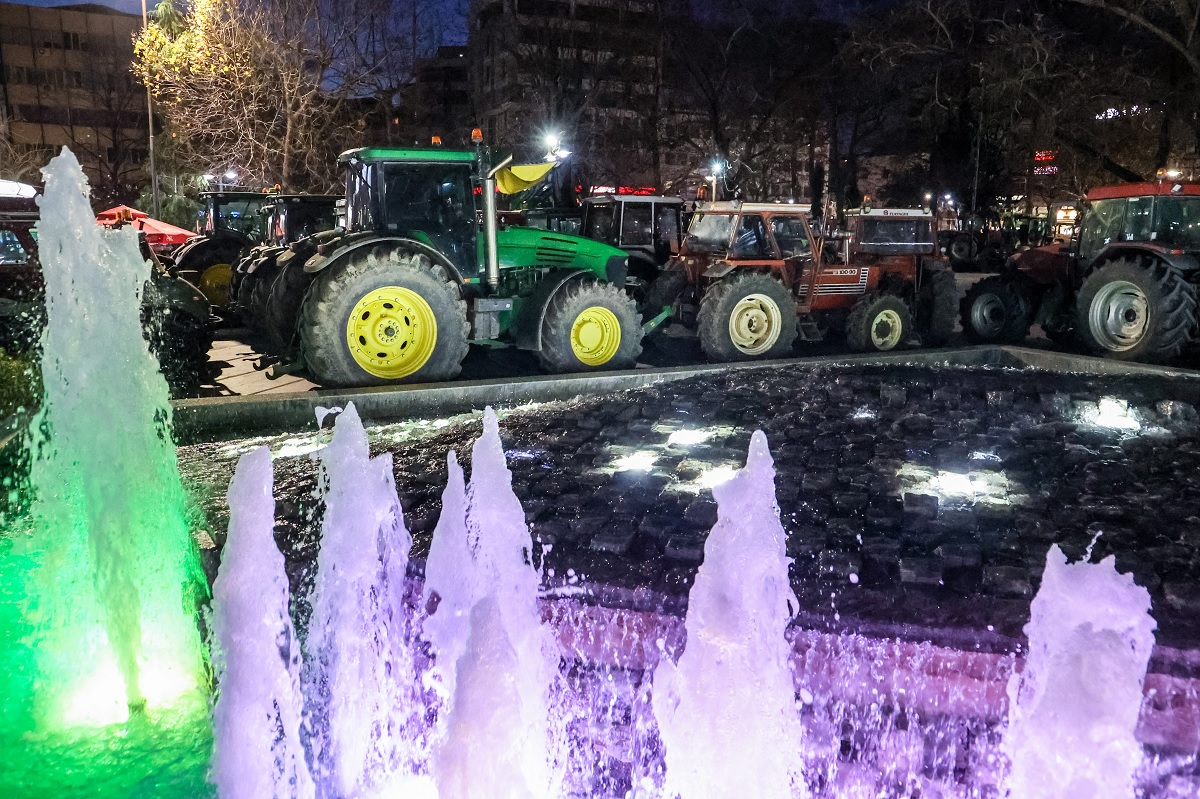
230, 225
420, 270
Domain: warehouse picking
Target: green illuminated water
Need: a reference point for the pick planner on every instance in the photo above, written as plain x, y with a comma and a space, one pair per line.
103, 682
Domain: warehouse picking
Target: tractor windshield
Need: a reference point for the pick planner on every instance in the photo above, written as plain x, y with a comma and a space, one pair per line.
240, 215
710, 232
889, 234
433, 203
598, 223
1178, 222
305, 219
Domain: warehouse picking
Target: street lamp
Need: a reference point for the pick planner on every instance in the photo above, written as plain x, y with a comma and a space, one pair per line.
554, 148
715, 170
231, 175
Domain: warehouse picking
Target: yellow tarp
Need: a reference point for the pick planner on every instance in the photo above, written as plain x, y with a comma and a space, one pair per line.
519, 177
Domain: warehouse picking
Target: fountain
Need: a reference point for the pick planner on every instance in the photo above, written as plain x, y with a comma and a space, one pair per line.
504, 669
257, 753
491, 678
102, 658
1073, 711
727, 711
359, 668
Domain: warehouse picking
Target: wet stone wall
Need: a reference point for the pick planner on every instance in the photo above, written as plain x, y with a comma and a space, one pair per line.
918, 502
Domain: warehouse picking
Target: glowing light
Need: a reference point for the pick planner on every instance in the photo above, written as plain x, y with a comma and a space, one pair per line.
717, 167
208, 177
960, 488
688, 438
1115, 414
553, 141
640, 461
713, 477
231, 175
955, 484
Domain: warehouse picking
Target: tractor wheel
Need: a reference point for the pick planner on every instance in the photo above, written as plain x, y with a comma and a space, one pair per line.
663, 291
1136, 310
996, 311
260, 282
745, 316
210, 269
590, 326
937, 305
283, 307
878, 322
383, 316
963, 250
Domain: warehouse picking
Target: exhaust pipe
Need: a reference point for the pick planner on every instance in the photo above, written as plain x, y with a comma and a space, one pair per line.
489, 224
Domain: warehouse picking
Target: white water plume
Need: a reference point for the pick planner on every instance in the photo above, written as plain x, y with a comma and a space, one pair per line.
257, 752
726, 711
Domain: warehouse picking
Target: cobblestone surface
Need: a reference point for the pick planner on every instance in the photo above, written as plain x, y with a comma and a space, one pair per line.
914, 499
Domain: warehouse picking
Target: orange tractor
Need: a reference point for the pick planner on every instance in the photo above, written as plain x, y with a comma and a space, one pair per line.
751, 277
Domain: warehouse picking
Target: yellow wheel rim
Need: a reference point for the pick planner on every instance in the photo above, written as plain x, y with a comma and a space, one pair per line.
596, 336
391, 332
214, 283
755, 324
886, 329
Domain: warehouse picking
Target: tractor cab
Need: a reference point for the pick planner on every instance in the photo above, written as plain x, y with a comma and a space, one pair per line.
648, 227
423, 194
1159, 215
291, 217
233, 212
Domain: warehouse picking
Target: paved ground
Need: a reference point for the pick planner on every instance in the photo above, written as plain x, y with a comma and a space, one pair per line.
918, 502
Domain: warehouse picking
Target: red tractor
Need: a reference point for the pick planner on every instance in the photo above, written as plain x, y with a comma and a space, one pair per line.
753, 276
1124, 287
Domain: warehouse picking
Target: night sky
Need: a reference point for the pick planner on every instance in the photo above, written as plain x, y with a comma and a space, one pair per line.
129, 6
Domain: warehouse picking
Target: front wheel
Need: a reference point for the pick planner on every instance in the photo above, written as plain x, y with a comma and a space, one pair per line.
878, 323
590, 326
383, 316
995, 311
1136, 310
747, 316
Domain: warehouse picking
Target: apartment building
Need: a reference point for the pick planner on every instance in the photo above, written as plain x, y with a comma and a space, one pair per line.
65, 80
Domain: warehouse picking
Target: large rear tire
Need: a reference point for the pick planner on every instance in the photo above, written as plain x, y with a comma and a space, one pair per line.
283, 308
663, 292
996, 311
590, 326
879, 322
260, 281
937, 305
1136, 310
383, 316
747, 316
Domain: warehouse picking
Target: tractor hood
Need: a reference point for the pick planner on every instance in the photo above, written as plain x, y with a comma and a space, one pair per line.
533, 247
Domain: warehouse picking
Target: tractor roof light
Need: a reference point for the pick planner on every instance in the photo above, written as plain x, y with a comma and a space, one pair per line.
476, 136
435, 141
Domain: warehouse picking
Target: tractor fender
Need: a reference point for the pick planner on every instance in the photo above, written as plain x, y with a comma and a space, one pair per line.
1180, 260
527, 324
320, 261
201, 248
719, 270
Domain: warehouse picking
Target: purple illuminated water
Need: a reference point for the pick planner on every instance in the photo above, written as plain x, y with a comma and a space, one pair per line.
478, 686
